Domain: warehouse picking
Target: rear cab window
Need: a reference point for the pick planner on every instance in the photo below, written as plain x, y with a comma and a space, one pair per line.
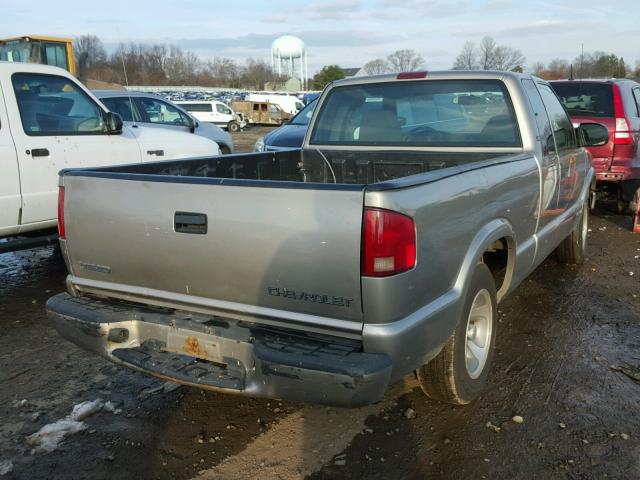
586, 99
438, 113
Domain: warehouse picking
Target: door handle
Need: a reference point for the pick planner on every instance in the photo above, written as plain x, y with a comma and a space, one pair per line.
189, 222
39, 152
157, 153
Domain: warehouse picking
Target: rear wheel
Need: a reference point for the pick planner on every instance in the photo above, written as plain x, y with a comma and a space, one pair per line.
573, 249
233, 126
460, 371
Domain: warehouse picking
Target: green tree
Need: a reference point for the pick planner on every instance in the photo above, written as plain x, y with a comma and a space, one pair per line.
328, 74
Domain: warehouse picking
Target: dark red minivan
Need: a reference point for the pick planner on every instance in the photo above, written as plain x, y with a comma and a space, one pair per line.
616, 104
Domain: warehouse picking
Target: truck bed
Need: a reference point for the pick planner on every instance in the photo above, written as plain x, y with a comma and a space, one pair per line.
197, 234
346, 167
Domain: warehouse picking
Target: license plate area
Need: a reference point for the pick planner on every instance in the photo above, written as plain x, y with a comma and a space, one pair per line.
205, 347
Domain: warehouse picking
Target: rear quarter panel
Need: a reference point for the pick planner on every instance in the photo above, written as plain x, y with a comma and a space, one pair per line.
449, 214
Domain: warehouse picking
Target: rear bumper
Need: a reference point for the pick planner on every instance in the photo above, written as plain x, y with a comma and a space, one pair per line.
223, 354
618, 173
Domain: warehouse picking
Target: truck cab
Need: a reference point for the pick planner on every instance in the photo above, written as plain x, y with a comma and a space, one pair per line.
55, 51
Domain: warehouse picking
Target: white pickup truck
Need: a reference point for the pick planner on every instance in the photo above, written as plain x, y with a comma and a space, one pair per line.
48, 122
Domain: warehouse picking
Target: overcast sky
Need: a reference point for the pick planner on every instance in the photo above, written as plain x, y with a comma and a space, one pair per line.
344, 32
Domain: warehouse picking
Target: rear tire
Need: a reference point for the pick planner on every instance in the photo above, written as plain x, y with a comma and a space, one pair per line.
573, 249
458, 374
233, 126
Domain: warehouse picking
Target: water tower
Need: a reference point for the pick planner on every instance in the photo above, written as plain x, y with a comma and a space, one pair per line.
285, 51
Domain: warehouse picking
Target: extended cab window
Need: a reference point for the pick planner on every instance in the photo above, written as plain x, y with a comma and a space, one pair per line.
460, 113
53, 105
562, 127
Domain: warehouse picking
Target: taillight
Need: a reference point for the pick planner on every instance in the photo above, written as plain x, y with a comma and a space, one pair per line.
61, 232
622, 134
388, 243
411, 75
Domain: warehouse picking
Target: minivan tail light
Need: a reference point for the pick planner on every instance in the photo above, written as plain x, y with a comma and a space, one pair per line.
388, 243
622, 134
61, 231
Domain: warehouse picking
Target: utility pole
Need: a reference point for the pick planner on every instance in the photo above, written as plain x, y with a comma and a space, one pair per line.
581, 60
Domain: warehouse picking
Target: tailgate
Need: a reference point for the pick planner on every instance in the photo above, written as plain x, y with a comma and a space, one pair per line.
287, 254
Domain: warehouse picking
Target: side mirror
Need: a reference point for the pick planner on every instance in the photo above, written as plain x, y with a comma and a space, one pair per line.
192, 124
114, 123
593, 134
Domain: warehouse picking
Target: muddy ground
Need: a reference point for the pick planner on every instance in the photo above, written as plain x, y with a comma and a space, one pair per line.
568, 363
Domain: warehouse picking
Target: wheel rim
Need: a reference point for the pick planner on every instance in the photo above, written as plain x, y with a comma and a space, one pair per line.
479, 327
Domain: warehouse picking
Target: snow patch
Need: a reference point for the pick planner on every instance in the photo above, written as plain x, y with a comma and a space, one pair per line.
6, 467
49, 437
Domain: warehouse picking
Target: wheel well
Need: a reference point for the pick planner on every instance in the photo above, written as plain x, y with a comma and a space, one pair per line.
499, 257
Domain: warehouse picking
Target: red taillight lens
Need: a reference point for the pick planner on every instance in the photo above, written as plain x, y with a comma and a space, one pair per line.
622, 134
388, 243
61, 232
411, 75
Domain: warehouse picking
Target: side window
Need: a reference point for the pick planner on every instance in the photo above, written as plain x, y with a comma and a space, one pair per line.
562, 126
124, 107
256, 107
544, 127
54, 105
222, 109
636, 97
161, 112
273, 108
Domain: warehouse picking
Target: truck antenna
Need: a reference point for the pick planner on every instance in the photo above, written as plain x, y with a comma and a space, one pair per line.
126, 82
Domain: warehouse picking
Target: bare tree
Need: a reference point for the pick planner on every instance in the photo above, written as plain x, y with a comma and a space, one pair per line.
466, 59
256, 74
376, 67
89, 53
507, 58
558, 68
486, 53
538, 69
405, 61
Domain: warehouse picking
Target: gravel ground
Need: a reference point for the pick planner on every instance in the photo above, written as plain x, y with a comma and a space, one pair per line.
568, 363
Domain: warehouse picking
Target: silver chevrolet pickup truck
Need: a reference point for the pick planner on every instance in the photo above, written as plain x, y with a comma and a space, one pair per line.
380, 248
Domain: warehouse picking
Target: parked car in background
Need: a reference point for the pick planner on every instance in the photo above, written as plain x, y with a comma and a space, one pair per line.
327, 273
152, 111
214, 112
288, 103
261, 113
290, 135
615, 104
48, 122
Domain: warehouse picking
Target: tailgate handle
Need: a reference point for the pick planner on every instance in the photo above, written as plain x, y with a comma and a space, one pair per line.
157, 153
189, 222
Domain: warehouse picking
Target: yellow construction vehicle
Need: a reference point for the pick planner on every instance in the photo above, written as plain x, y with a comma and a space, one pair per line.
55, 51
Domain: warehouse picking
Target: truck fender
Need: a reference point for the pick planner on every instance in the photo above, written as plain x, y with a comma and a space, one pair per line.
486, 236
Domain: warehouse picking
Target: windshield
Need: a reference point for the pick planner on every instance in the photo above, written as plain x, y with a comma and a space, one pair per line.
441, 113
304, 116
586, 99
